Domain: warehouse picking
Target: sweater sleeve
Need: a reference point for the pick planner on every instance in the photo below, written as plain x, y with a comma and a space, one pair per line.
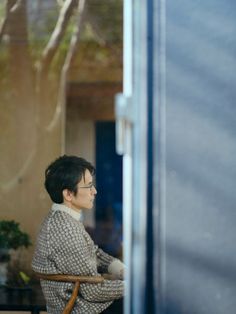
108, 264
103, 259
72, 254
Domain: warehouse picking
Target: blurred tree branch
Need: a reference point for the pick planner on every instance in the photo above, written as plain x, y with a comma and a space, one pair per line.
11, 6
36, 96
3, 27
66, 66
57, 35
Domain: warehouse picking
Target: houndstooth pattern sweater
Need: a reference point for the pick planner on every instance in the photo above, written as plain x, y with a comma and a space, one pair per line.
64, 247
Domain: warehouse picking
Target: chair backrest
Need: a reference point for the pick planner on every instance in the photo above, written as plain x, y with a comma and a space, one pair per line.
71, 278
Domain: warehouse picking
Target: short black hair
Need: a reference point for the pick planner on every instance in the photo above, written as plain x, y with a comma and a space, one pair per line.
65, 173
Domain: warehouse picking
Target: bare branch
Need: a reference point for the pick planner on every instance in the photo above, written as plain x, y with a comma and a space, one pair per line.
74, 39
3, 27
10, 10
95, 28
57, 35
60, 108
16, 6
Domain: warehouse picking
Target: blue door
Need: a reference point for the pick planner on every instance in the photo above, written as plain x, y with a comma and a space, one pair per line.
109, 186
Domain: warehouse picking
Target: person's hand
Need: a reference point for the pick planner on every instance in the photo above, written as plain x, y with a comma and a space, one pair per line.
117, 268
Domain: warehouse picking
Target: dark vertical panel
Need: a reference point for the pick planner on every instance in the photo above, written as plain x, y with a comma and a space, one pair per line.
149, 306
108, 172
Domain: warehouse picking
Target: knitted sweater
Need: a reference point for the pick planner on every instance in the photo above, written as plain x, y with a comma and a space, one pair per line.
64, 247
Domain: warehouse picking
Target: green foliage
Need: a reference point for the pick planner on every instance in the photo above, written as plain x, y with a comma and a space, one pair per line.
40, 32
106, 18
17, 278
102, 26
25, 278
2, 9
11, 236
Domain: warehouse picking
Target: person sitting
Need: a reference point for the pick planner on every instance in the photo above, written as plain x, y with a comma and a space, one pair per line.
64, 247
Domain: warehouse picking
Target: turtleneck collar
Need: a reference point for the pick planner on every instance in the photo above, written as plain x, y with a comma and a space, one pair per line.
76, 215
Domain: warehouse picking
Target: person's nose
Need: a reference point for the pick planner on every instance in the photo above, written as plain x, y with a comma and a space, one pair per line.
94, 191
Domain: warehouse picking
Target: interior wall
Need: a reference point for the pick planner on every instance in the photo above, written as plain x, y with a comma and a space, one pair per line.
22, 193
80, 141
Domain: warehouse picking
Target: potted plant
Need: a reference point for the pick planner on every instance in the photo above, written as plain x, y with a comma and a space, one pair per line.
11, 237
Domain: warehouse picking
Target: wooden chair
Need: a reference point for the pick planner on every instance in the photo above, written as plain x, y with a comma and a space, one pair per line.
77, 280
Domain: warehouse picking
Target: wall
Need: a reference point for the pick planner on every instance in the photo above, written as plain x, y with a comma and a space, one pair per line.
80, 141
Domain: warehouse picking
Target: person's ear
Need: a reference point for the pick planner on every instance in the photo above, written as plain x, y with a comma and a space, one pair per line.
67, 195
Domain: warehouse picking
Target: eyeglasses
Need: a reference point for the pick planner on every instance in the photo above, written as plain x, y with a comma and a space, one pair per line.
89, 186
